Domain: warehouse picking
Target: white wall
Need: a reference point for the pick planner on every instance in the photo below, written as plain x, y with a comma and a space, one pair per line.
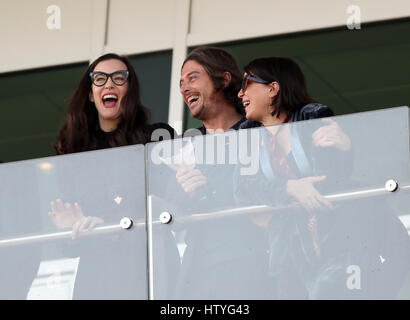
218, 21
90, 28
139, 26
26, 42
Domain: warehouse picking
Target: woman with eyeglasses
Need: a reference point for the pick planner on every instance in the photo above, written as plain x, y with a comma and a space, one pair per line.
104, 112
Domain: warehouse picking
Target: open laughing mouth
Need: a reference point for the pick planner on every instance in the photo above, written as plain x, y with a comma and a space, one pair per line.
109, 100
246, 104
192, 99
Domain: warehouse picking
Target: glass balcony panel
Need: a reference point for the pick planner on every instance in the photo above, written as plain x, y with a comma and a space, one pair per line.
44, 200
298, 211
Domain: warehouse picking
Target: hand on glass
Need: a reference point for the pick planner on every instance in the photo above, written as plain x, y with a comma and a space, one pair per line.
68, 216
190, 179
331, 135
305, 193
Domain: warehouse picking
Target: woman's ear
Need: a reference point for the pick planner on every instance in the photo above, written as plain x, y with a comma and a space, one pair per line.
274, 88
227, 79
91, 96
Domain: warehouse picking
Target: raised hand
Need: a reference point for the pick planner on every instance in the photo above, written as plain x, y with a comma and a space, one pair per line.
67, 216
64, 215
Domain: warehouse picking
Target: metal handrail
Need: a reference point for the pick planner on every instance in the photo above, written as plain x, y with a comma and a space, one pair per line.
194, 217
62, 235
363, 193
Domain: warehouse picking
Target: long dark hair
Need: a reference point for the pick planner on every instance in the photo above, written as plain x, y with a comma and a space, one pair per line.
81, 124
293, 94
216, 62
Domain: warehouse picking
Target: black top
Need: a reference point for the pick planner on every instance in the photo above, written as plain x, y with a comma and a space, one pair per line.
101, 138
190, 133
234, 127
309, 111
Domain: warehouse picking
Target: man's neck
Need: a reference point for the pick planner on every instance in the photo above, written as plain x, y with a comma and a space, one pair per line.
224, 119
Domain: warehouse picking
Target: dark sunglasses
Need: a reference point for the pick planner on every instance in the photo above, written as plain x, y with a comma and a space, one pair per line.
252, 78
100, 78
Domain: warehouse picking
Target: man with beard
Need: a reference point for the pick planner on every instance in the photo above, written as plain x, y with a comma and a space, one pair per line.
218, 262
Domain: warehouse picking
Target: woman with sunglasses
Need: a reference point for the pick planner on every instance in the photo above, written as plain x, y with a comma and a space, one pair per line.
274, 93
313, 242
105, 111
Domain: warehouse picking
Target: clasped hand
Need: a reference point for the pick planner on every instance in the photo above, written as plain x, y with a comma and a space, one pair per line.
190, 179
304, 191
331, 135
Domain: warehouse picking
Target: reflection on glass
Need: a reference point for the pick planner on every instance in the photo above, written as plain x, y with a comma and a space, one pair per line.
288, 213
19, 216
320, 249
63, 237
263, 213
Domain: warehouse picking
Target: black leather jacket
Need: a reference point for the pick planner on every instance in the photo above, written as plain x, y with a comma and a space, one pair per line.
309, 111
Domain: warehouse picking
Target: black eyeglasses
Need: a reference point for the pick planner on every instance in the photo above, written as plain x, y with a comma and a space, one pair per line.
118, 77
252, 78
